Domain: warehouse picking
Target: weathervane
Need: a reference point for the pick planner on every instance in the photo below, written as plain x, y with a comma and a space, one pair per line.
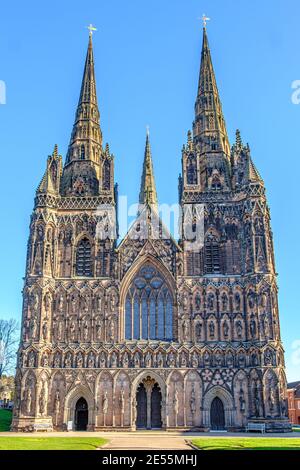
205, 19
91, 29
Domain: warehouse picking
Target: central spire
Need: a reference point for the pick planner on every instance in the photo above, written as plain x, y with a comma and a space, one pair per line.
86, 138
148, 195
209, 126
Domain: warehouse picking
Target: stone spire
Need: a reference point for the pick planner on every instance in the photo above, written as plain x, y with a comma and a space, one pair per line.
148, 195
86, 138
209, 126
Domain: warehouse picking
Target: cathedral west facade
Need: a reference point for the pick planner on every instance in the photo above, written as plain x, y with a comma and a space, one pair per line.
151, 332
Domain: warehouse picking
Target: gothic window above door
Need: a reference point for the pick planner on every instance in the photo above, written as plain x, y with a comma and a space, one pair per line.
149, 307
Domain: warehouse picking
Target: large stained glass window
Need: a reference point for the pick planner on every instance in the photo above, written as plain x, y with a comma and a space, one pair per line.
148, 307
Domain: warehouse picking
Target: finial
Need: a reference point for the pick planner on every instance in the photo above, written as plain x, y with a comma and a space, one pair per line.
238, 138
91, 29
148, 130
205, 19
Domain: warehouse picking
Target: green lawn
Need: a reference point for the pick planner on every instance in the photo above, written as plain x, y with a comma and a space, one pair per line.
240, 443
5, 420
51, 443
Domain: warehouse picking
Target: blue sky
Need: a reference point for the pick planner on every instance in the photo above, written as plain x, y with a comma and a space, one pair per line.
147, 63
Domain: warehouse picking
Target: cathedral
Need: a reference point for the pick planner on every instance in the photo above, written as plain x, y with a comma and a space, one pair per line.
149, 332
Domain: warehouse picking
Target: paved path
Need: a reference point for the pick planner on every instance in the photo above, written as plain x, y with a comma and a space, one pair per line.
144, 442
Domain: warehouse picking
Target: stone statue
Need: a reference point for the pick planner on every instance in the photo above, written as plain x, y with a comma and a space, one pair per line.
98, 329
61, 302
42, 400
86, 331
195, 362
72, 331
193, 402
73, 304
79, 360
56, 405
57, 361
225, 329
176, 405
33, 328
239, 328
256, 401
99, 303
122, 401
105, 406
45, 360
210, 301
47, 303
211, 329
242, 401
184, 331
102, 360
125, 361
160, 360
45, 331
35, 302
198, 331
148, 359
111, 330
183, 360
29, 400
237, 299
68, 362
252, 327
31, 362
171, 360
91, 361
197, 301
113, 360
224, 302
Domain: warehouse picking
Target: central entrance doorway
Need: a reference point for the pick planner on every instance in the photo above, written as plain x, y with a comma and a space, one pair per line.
148, 405
217, 415
81, 415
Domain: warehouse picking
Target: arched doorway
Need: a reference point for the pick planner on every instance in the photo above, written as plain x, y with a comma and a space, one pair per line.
81, 415
141, 407
156, 407
217, 415
148, 405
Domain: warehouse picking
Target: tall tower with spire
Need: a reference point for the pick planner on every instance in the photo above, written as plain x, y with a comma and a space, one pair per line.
149, 332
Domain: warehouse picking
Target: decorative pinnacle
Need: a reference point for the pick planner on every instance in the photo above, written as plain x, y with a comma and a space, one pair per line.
238, 139
55, 151
91, 29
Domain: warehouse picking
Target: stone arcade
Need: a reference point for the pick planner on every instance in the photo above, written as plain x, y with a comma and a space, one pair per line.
150, 333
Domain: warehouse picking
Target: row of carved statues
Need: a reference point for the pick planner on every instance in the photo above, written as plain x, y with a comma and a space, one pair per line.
104, 329
149, 359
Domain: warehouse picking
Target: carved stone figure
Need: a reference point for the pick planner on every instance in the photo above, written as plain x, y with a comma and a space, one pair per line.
211, 329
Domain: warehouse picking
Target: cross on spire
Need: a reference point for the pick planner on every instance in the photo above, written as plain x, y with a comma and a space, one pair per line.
91, 29
205, 19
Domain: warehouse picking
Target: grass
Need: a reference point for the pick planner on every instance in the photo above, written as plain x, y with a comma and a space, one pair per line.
5, 420
51, 443
243, 443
